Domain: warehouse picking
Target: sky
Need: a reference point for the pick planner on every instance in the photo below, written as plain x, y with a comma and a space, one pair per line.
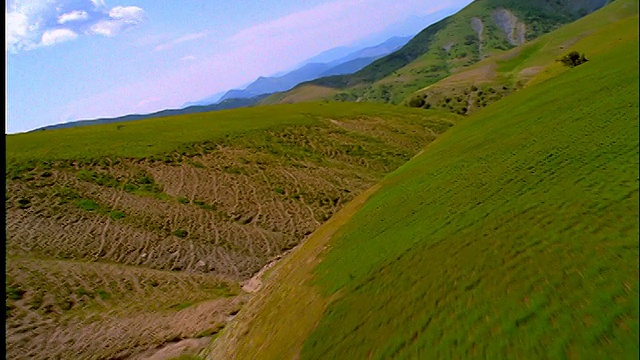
68, 60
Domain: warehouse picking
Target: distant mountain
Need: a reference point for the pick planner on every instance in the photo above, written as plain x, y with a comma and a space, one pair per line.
347, 64
350, 66
387, 47
331, 55
223, 105
206, 101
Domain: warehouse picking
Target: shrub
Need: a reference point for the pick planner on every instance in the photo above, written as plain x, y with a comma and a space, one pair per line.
573, 59
180, 233
416, 102
88, 204
14, 292
116, 214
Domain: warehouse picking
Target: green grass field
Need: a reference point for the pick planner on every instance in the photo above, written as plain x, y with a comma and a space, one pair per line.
514, 235
159, 136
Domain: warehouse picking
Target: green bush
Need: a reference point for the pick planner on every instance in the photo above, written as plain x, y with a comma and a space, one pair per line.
116, 214
180, 233
573, 59
417, 102
88, 204
14, 292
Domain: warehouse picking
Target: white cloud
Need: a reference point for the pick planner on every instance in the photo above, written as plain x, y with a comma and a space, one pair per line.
51, 37
32, 23
127, 14
187, 58
120, 17
75, 15
98, 3
18, 34
186, 38
106, 27
147, 101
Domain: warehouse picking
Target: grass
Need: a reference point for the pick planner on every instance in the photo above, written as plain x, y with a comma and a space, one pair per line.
514, 235
146, 138
547, 198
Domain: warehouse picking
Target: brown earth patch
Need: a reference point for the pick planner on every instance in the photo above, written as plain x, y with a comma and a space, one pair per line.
113, 258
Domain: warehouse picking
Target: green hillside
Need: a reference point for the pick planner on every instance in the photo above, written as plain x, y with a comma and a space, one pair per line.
478, 85
482, 29
514, 235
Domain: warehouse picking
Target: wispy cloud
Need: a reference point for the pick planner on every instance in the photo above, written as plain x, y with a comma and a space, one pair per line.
148, 101
267, 46
182, 39
188, 58
127, 14
51, 37
322, 27
120, 17
31, 24
98, 3
75, 15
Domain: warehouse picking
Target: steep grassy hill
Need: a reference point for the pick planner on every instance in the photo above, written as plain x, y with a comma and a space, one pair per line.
124, 237
483, 28
478, 85
514, 235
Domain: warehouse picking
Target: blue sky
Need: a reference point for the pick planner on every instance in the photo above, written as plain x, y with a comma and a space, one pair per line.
83, 59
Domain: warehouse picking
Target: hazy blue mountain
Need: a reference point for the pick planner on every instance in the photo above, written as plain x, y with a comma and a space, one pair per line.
206, 101
332, 55
225, 104
347, 64
385, 48
349, 67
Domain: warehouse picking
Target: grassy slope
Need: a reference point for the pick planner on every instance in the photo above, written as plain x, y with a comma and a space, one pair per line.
424, 60
157, 136
514, 235
531, 62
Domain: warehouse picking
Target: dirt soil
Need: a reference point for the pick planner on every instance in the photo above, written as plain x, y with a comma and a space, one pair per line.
119, 258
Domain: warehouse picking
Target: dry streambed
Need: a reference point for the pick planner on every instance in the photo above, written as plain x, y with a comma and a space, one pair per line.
117, 257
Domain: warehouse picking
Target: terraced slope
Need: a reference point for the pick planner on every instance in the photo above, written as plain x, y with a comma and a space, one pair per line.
125, 237
514, 235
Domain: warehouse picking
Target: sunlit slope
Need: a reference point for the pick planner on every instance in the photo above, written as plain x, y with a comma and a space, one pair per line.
514, 235
483, 83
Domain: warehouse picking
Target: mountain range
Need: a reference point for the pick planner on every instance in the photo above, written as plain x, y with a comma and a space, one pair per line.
344, 65
263, 86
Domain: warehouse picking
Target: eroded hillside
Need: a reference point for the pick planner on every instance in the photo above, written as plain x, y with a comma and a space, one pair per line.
100, 244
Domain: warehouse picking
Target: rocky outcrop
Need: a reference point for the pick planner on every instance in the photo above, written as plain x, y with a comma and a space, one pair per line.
478, 27
514, 29
447, 46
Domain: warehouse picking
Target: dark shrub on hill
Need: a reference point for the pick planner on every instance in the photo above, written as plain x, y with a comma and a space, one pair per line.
416, 102
573, 59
